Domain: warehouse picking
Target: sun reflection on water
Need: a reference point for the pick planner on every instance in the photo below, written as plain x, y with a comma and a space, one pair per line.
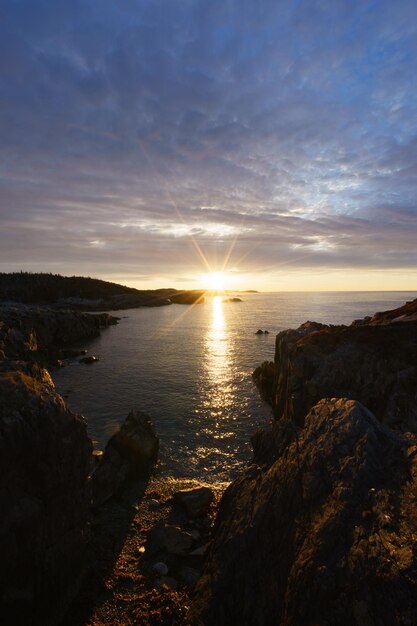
218, 365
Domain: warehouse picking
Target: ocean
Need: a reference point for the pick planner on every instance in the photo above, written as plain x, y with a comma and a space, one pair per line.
190, 368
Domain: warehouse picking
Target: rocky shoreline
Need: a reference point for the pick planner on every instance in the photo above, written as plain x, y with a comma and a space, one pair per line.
319, 529
72, 518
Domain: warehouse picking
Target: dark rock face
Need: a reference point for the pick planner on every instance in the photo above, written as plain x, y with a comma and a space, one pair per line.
264, 378
44, 499
31, 332
89, 359
130, 453
321, 531
373, 363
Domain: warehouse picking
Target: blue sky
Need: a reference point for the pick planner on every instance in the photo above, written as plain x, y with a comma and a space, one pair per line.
138, 137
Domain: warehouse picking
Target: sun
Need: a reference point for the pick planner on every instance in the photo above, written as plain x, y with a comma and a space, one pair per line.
216, 281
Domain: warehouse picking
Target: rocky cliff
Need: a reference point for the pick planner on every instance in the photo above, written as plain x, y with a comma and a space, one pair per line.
44, 465
36, 333
373, 361
320, 529
45, 457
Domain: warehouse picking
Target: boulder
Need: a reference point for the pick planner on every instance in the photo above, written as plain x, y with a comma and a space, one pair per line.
320, 531
195, 501
168, 538
131, 453
259, 332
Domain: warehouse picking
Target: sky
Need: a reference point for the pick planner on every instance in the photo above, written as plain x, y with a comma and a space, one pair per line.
149, 142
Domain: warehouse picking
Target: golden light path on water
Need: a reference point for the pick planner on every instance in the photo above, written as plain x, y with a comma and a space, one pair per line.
218, 369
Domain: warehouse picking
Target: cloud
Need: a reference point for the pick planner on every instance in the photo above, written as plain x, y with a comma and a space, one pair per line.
288, 127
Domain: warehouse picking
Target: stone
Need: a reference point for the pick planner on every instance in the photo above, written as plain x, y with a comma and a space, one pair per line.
165, 537
200, 551
264, 378
89, 359
319, 531
195, 501
259, 332
189, 575
167, 581
130, 454
160, 568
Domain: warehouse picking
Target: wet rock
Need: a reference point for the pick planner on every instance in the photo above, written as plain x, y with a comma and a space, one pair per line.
322, 533
89, 359
195, 501
165, 537
264, 378
131, 453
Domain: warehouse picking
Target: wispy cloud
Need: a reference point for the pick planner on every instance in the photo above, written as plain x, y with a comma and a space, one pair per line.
290, 127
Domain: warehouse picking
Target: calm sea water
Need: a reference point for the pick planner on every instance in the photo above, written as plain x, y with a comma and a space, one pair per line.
190, 369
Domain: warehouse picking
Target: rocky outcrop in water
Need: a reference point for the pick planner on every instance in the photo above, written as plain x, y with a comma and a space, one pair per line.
374, 361
319, 530
44, 499
40, 333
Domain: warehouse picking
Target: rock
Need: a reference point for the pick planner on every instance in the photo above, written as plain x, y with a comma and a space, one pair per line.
89, 359
200, 551
266, 332
264, 378
195, 501
71, 353
167, 581
29, 332
259, 332
164, 537
374, 364
131, 453
189, 575
45, 457
160, 568
322, 533
233, 300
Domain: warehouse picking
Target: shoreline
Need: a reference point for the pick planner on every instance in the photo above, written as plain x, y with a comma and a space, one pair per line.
113, 535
